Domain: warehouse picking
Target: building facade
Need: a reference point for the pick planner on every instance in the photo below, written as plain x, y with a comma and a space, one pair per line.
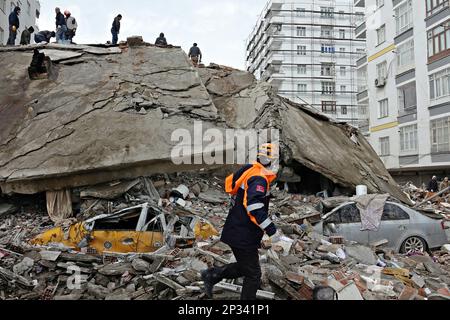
307, 49
408, 85
30, 11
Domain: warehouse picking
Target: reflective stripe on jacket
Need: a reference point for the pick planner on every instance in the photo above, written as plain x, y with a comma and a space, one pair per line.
249, 217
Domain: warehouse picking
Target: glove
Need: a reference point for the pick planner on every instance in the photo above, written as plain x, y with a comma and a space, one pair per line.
271, 230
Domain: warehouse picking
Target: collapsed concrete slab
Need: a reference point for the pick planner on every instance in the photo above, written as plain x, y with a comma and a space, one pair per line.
310, 140
109, 117
104, 117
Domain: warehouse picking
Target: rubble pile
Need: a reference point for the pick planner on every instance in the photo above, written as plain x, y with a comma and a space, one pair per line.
426, 202
93, 140
302, 261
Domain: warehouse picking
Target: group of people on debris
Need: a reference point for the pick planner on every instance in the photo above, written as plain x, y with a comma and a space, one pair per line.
434, 186
195, 54
66, 27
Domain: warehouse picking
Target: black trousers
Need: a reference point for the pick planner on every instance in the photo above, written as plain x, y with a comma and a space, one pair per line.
247, 266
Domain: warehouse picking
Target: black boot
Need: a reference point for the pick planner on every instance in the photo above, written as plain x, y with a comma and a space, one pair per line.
211, 277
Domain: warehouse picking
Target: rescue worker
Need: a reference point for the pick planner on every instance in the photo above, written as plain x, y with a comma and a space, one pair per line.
25, 38
61, 26
14, 25
195, 54
161, 40
115, 30
44, 36
247, 222
71, 24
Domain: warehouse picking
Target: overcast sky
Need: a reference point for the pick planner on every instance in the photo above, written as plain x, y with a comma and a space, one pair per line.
220, 27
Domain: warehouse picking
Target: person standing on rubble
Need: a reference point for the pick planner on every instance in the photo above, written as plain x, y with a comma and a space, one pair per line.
247, 222
115, 30
14, 25
72, 25
195, 54
433, 186
61, 26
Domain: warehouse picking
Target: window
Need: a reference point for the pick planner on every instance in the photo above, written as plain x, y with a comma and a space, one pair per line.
382, 70
407, 97
342, 33
343, 89
403, 17
326, 12
342, 52
405, 54
302, 88
301, 69
383, 107
408, 139
301, 32
393, 212
381, 35
326, 32
344, 110
380, 3
438, 40
328, 87
343, 71
301, 50
328, 106
385, 147
327, 69
433, 6
440, 84
328, 48
440, 135
300, 12
350, 214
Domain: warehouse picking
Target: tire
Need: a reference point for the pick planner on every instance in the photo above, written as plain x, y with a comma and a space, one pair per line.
414, 244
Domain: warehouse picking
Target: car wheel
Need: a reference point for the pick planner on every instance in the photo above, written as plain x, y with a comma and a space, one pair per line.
414, 244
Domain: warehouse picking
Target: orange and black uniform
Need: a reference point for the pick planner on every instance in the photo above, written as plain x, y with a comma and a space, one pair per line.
246, 223
249, 217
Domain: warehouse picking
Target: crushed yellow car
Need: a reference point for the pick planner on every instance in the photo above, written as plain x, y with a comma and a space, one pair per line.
139, 229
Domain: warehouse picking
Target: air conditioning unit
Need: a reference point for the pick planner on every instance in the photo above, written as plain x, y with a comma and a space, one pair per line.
380, 82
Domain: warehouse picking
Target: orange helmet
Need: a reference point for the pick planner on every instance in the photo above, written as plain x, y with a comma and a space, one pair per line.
269, 150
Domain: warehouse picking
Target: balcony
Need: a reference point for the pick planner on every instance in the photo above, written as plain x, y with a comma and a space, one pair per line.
360, 3
360, 31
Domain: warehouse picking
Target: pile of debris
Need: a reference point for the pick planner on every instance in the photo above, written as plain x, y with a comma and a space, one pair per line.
302, 261
437, 203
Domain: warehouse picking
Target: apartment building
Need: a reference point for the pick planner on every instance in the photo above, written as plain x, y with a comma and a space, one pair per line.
30, 12
307, 50
408, 85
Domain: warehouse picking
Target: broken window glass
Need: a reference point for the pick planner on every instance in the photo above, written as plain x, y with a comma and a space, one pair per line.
122, 222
